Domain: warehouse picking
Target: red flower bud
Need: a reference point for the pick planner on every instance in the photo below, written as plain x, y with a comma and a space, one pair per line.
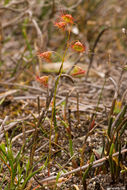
61, 25
46, 55
78, 46
77, 71
43, 80
67, 18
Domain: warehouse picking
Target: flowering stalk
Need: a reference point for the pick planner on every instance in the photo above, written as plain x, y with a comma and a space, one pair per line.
54, 98
65, 23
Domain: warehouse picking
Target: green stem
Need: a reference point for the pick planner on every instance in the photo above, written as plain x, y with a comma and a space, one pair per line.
54, 98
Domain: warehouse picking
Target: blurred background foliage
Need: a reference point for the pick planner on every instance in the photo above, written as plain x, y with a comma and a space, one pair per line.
27, 26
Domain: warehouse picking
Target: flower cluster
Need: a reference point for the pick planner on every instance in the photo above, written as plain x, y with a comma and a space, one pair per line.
67, 18
64, 21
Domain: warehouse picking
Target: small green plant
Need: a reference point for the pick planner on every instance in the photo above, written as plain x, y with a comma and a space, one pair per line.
85, 174
20, 173
116, 128
117, 123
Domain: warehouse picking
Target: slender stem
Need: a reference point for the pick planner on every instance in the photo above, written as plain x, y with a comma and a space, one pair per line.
54, 98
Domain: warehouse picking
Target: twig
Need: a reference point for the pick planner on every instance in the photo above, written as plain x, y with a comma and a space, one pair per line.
75, 63
13, 10
40, 89
83, 167
41, 147
24, 134
65, 107
93, 50
114, 83
78, 114
39, 33
29, 97
8, 93
15, 20
120, 77
12, 124
124, 95
3, 123
15, 2
22, 86
21, 134
72, 7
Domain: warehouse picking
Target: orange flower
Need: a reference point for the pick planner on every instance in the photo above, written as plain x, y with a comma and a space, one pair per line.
67, 18
77, 71
61, 25
43, 80
78, 46
46, 55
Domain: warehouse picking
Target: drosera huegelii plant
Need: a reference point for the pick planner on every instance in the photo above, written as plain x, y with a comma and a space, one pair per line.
73, 117
63, 23
113, 139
